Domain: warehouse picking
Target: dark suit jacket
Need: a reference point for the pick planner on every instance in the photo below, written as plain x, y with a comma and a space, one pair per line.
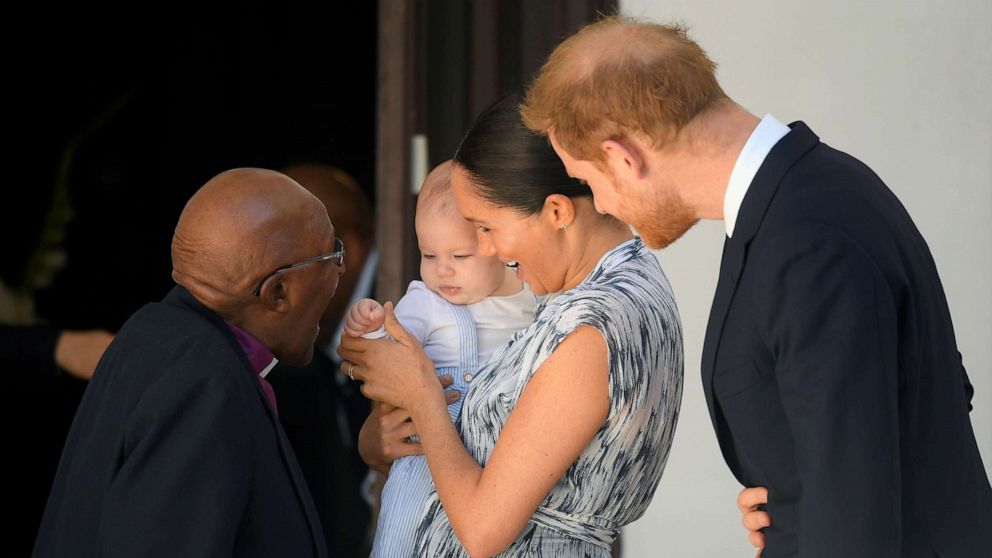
831, 371
322, 419
175, 451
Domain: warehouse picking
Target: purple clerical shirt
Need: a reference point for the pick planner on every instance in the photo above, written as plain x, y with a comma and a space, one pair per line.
262, 360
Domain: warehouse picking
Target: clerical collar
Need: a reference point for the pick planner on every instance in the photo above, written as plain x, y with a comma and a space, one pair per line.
261, 358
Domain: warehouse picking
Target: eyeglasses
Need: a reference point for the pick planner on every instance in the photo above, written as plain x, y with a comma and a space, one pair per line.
336, 257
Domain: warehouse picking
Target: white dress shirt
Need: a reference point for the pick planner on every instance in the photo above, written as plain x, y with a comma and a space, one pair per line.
762, 140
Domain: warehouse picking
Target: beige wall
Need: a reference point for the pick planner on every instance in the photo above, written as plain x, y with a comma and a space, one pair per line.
905, 86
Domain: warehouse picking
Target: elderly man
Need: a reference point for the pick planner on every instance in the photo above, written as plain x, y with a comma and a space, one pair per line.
176, 449
829, 366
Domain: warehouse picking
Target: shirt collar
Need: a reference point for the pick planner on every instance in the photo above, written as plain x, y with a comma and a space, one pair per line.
759, 144
261, 358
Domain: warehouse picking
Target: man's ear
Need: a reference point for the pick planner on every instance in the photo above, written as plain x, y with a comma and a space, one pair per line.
275, 294
625, 158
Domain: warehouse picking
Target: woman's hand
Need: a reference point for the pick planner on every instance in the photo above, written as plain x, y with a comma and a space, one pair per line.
383, 438
396, 371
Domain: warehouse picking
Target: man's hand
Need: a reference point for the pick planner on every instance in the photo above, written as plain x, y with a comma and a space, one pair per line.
383, 438
754, 519
78, 352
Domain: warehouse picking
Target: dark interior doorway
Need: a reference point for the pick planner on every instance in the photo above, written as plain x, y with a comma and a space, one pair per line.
154, 109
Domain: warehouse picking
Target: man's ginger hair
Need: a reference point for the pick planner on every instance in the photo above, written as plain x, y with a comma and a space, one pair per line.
620, 76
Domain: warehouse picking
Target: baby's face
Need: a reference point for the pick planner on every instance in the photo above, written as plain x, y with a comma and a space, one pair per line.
449, 261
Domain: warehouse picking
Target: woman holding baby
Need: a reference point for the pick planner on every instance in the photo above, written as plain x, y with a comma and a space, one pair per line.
564, 433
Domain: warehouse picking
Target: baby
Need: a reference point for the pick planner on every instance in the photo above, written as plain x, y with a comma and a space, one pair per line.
466, 307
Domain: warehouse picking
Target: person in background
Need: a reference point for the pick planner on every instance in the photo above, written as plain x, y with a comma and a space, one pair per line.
45, 350
44, 370
44, 365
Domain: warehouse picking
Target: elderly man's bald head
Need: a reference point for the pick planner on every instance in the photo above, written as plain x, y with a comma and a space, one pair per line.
240, 226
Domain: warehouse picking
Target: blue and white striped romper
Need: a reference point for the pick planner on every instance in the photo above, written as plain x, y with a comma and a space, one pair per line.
481, 327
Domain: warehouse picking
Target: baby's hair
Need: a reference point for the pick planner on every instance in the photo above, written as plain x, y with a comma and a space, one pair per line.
436, 194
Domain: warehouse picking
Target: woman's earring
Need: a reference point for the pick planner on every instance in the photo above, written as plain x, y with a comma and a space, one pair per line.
564, 226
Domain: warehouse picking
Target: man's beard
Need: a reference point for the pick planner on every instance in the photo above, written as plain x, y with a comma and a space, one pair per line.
663, 222
660, 222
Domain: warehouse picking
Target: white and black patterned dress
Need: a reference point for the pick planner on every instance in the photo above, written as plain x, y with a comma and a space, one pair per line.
629, 300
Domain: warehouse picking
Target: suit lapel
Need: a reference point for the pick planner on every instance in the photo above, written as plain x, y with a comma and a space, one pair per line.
725, 288
792, 147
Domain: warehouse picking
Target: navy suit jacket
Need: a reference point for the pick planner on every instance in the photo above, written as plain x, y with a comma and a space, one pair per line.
322, 420
831, 371
175, 451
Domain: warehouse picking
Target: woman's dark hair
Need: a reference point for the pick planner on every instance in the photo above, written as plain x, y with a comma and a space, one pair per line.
511, 166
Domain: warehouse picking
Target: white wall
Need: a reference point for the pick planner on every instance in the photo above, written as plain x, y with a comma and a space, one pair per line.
905, 86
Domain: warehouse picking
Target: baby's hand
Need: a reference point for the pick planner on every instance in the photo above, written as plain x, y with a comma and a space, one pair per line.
365, 316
